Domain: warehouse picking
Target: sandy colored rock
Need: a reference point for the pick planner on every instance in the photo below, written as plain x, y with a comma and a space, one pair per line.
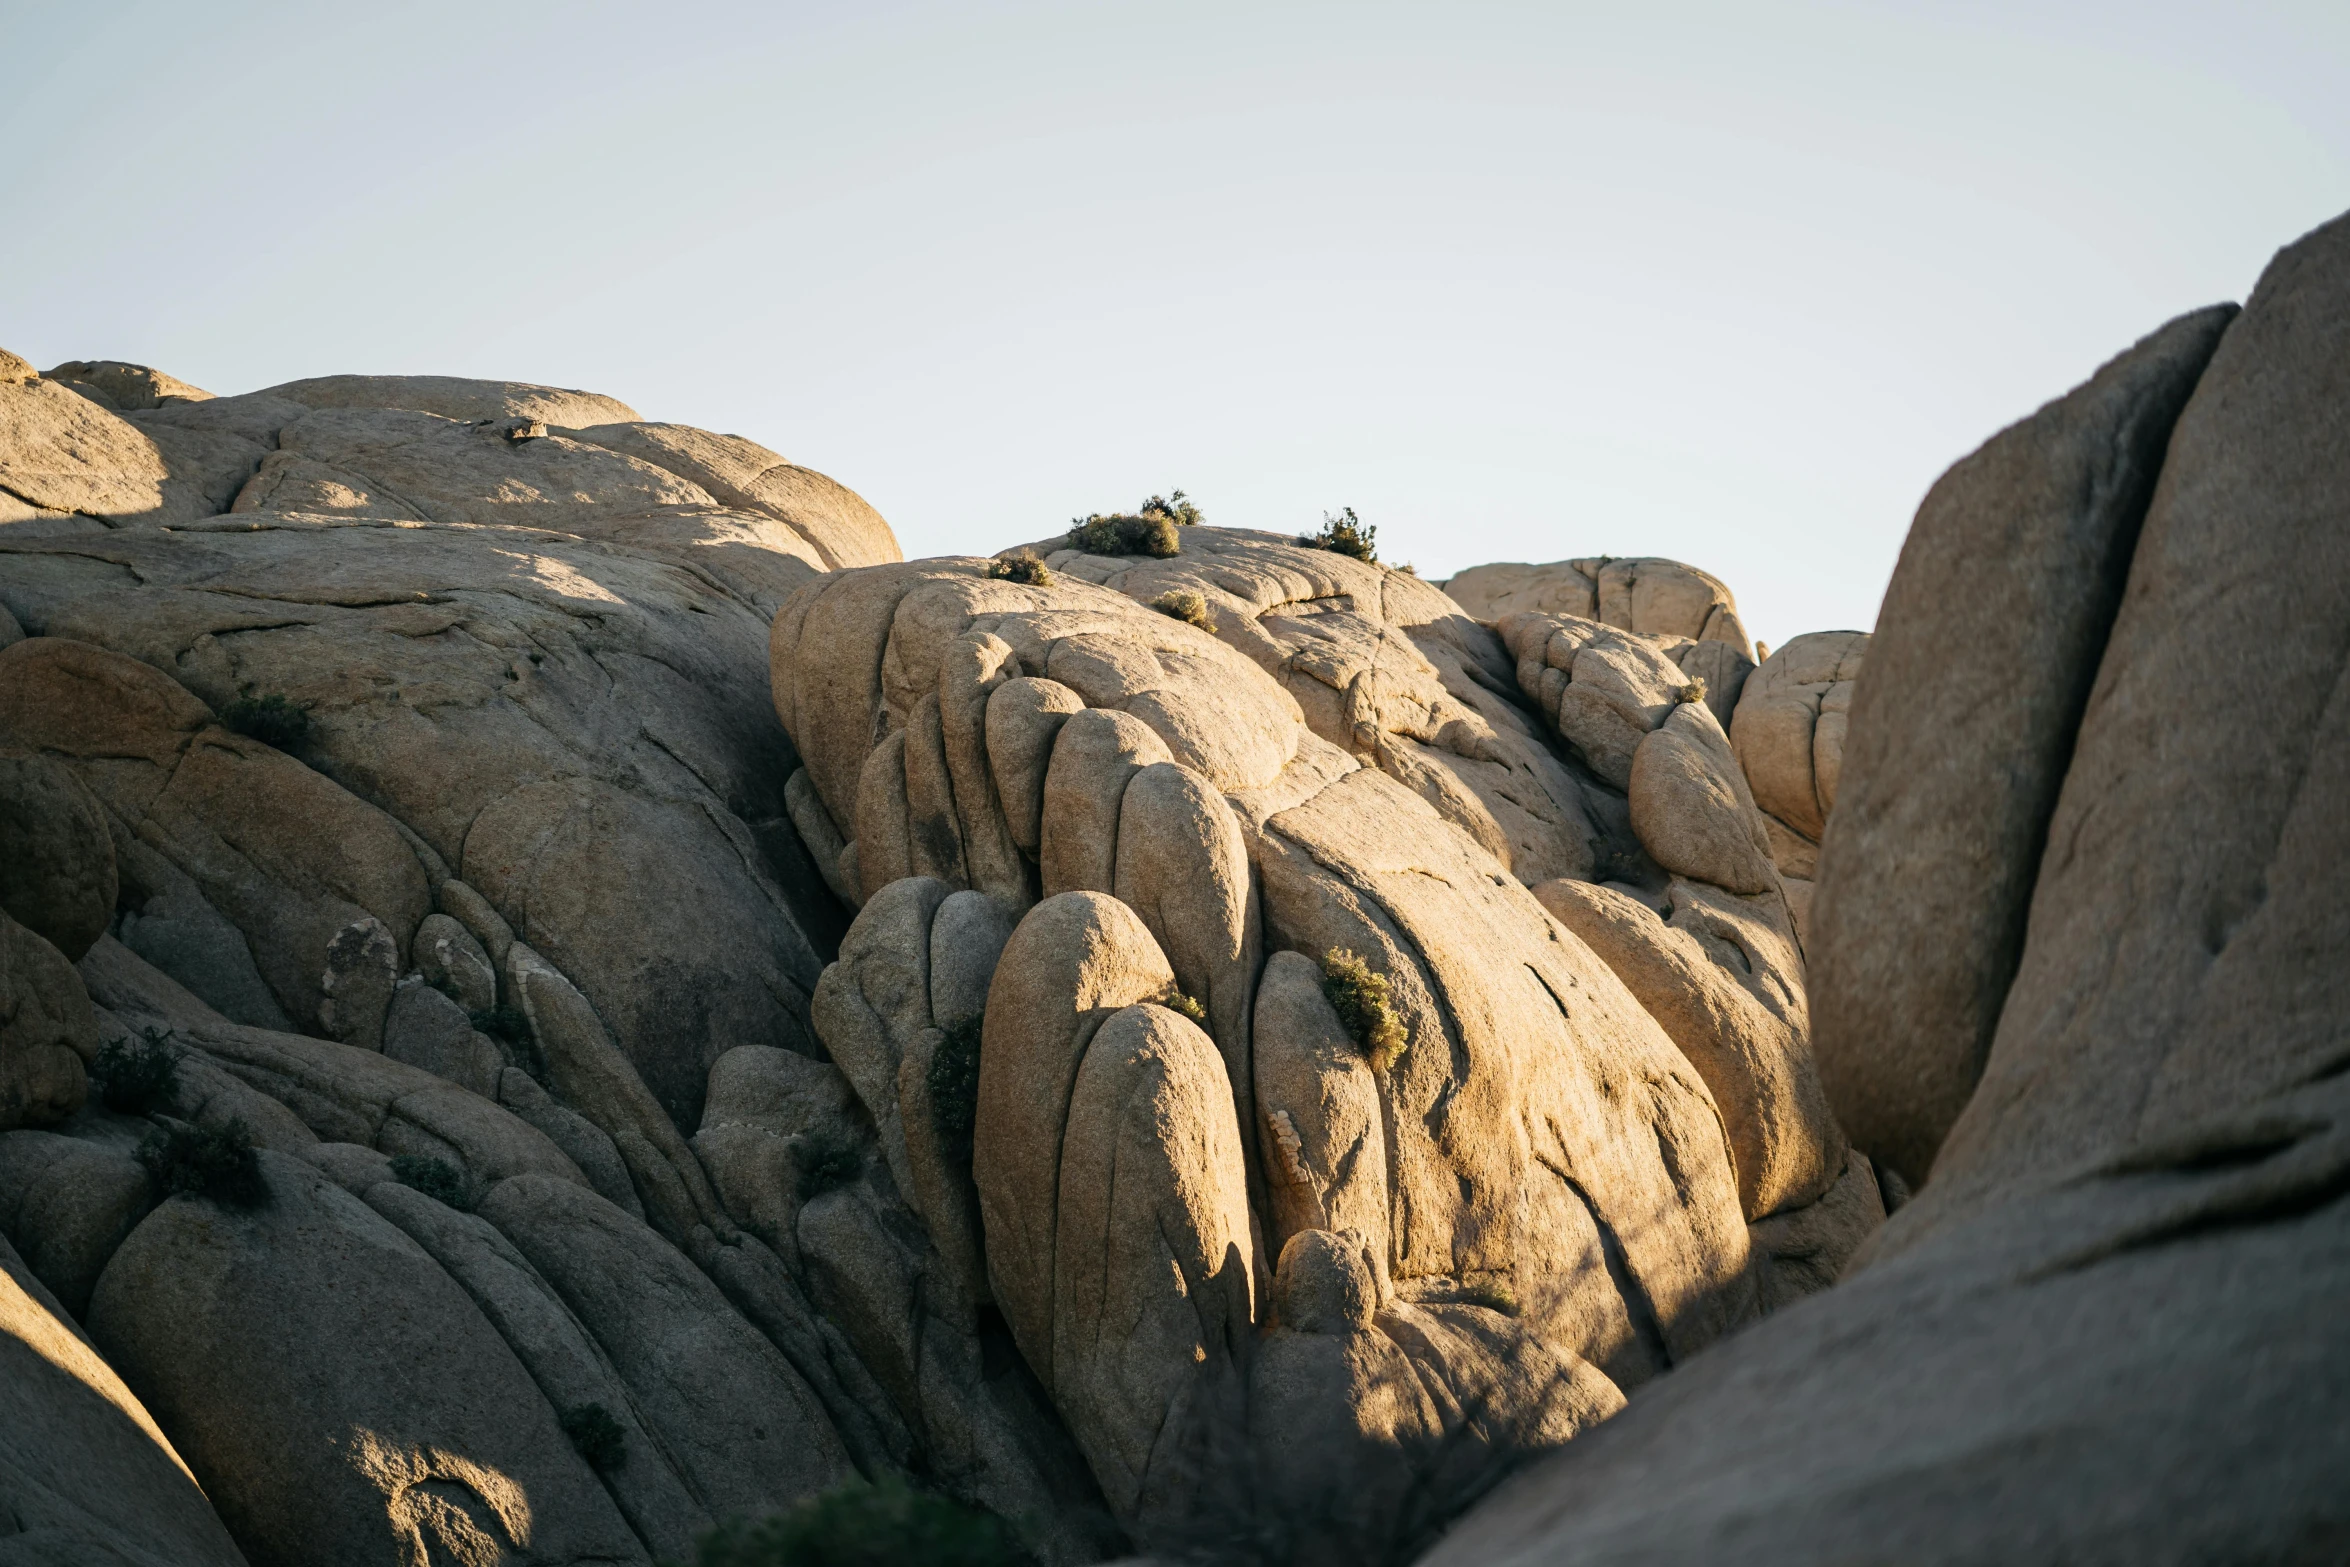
1645, 594
1153, 1297
454, 397
1074, 960
1963, 731
588, 1071
213, 805
64, 457
1728, 990
870, 1004
1790, 726
59, 878
321, 1423
1803, 1251
766, 1109
748, 477
1024, 718
87, 1474
127, 386
47, 1035
583, 1142
1320, 1133
1096, 754
1690, 806
1388, 669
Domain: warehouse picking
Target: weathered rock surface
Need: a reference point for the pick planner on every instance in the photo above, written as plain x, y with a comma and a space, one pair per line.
336, 1394
1788, 732
2105, 1328
85, 1476
47, 1035
1657, 598
2007, 588
57, 875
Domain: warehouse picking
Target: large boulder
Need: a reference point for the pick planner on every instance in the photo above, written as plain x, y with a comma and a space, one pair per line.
1788, 731
1166, 795
2106, 1327
47, 1034
57, 874
1963, 729
339, 1397
1652, 596
85, 1474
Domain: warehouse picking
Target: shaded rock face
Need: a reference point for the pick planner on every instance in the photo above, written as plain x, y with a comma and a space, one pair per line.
2105, 1031
1544, 1198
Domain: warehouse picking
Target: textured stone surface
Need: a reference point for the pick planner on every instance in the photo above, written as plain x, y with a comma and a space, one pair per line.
85, 1473
1964, 725
337, 1395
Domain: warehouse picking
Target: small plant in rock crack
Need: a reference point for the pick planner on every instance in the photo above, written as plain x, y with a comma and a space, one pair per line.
1344, 534
1188, 606
1024, 566
828, 1157
1694, 690
1492, 1296
1359, 996
1176, 1001
954, 1081
597, 1435
436, 1178
139, 1076
270, 719
882, 1525
213, 1162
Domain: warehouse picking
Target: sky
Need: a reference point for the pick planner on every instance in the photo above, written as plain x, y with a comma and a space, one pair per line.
1729, 283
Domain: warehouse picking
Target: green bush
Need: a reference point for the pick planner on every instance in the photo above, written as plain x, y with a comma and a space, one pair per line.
1176, 508
271, 719
1188, 606
1023, 566
1360, 998
1493, 1297
1126, 534
1694, 691
597, 1436
828, 1157
436, 1178
885, 1525
1176, 1001
217, 1163
954, 1081
139, 1076
1344, 534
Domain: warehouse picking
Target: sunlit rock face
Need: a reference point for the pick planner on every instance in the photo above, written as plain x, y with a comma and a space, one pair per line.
556, 993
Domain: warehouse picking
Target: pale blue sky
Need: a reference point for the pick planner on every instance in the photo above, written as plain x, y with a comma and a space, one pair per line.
1726, 282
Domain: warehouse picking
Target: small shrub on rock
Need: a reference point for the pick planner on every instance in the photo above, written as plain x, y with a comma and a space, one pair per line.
1025, 566
1176, 1001
1694, 691
829, 1157
216, 1163
1344, 534
270, 719
139, 1076
1125, 534
954, 1082
1188, 606
436, 1178
1493, 1297
1176, 508
884, 1525
597, 1436
1359, 997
